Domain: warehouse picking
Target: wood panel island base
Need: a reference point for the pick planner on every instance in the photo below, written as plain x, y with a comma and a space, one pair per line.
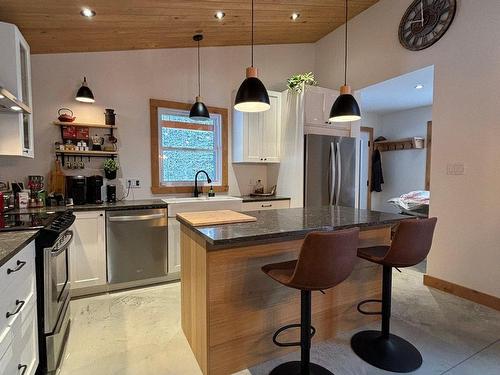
230, 309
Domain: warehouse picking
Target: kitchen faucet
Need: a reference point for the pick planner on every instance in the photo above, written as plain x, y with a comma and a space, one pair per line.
196, 193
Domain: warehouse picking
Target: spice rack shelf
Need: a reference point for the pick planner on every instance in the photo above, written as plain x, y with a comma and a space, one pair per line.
400, 144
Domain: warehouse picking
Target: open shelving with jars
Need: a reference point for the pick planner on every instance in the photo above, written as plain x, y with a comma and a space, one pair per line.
77, 141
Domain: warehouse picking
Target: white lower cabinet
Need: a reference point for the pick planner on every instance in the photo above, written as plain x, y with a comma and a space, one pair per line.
265, 205
18, 327
88, 251
174, 245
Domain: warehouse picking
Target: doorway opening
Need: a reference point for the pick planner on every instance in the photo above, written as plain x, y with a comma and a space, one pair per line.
395, 144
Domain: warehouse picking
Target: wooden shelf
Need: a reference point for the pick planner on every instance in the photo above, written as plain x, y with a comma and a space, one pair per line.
400, 144
88, 153
84, 125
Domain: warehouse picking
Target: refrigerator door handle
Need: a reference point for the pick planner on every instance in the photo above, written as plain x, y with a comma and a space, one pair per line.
339, 171
332, 173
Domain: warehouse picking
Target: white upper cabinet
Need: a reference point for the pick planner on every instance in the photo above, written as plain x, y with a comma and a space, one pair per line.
257, 136
16, 129
318, 102
315, 106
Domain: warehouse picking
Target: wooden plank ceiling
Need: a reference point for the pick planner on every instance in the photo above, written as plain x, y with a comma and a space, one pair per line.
56, 26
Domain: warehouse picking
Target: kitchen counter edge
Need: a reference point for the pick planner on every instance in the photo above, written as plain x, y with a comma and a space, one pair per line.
124, 205
13, 242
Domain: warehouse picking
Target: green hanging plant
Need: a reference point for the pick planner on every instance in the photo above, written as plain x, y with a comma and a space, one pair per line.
298, 81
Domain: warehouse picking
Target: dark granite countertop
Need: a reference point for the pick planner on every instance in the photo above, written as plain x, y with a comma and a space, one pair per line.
123, 205
292, 223
13, 242
250, 198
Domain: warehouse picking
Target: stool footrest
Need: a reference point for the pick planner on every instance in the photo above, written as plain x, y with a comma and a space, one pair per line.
284, 328
369, 312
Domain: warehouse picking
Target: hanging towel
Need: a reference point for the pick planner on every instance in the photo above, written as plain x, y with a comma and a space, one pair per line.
377, 176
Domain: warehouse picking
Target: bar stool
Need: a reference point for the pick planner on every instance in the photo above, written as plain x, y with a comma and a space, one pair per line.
325, 260
411, 244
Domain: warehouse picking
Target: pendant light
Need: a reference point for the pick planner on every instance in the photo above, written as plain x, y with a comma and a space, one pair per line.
199, 111
85, 94
252, 95
345, 108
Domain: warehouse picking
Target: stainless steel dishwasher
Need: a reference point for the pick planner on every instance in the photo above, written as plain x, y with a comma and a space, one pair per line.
137, 244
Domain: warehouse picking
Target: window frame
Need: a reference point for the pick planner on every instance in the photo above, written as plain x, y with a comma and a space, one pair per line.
156, 186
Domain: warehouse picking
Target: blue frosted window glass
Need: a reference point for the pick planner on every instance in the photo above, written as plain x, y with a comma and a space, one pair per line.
185, 119
186, 150
181, 165
187, 138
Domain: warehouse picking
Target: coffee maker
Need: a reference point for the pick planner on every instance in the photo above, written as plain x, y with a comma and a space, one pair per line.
76, 188
94, 184
111, 193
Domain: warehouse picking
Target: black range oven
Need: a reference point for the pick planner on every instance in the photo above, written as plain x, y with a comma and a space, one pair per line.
53, 290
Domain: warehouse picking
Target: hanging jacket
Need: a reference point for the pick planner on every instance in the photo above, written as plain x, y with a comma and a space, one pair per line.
377, 176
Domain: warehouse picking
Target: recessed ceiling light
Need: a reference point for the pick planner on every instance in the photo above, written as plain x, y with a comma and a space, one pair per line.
86, 12
219, 15
16, 108
1, 96
295, 16
419, 86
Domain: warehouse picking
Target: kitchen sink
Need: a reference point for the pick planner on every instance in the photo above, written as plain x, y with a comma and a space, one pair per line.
205, 203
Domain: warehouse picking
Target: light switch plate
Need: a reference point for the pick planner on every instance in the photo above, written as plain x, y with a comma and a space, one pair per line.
455, 169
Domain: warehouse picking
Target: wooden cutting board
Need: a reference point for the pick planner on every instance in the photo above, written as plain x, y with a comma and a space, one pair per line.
198, 219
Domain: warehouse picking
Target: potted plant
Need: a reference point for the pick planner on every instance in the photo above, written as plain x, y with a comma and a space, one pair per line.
110, 167
297, 82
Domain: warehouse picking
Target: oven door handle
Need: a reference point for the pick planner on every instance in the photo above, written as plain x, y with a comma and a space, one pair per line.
136, 217
57, 251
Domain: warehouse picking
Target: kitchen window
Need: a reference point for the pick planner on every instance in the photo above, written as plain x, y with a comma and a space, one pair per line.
183, 146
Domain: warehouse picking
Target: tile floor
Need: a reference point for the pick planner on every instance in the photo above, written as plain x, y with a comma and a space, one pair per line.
138, 332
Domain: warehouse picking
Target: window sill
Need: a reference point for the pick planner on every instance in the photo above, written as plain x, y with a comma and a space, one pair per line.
186, 189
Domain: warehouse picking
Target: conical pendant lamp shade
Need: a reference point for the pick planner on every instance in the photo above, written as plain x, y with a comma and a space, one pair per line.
345, 108
85, 94
252, 95
199, 110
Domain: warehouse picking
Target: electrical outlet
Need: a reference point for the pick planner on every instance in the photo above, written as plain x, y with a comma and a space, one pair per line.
134, 183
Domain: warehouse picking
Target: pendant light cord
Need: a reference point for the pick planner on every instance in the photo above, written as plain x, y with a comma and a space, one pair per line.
252, 28
345, 43
199, 69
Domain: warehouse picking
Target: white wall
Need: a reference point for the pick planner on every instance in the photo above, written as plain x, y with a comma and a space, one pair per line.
127, 80
465, 125
403, 171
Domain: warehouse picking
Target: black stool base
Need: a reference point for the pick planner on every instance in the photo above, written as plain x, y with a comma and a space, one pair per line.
393, 354
293, 368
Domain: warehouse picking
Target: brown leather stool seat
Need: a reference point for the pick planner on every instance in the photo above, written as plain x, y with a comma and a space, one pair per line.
411, 245
325, 260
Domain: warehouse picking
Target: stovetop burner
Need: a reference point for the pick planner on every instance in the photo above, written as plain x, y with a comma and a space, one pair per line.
12, 222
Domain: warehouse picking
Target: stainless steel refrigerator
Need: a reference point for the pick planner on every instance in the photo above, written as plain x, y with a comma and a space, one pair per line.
330, 171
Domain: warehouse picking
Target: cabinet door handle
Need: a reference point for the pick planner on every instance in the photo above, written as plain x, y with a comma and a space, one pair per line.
23, 367
20, 264
266, 205
19, 305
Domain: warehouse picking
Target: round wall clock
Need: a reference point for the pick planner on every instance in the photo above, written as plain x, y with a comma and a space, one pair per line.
425, 22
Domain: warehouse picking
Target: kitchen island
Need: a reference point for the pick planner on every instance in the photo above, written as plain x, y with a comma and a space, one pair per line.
230, 309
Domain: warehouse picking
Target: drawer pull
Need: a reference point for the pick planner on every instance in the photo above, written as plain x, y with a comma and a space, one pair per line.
19, 305
20, 264
266, 205
23, 367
